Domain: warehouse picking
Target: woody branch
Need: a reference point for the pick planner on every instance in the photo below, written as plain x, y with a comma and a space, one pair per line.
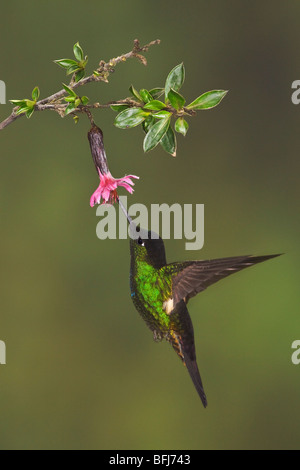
53, 102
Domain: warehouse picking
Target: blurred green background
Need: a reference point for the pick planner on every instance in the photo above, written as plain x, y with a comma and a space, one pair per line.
82, 369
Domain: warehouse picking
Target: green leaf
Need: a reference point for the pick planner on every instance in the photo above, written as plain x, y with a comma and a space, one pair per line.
157, 92
135, 93
119, 107
70, 108
176, 100
66, 63
78, 52
29, 112
73, 69
155, 134
155, 105
168, 142
22, 109
35, 93
208, 100
79, 75
145, 95
84, 100
181, 126
70, 99
29, 103
130, 117
148, 123
162, 114
69, 90
83, 63
24, 106
18, 102
175, 79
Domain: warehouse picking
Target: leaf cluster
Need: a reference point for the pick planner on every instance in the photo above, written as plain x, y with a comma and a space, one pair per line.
155, 115
73, 100
76, 67
26, 105
153, 109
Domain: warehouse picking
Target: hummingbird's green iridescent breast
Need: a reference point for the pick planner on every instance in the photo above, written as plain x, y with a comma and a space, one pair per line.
149, 291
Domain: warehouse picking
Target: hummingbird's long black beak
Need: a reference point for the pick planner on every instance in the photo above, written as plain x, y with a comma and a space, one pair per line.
129, 219
134, 229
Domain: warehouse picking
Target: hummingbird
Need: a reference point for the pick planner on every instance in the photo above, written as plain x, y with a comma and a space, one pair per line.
160, 293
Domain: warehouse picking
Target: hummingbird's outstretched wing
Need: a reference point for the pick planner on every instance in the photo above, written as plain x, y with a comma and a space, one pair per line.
196, 276
181, 336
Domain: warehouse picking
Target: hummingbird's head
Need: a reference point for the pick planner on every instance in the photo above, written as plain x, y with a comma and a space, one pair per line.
147, 246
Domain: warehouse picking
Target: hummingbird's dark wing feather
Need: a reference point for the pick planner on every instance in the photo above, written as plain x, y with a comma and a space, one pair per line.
181, 336
196, 276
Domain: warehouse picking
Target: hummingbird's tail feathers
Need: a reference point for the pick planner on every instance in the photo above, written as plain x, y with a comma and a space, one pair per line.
196, 276
192, 367
181, 337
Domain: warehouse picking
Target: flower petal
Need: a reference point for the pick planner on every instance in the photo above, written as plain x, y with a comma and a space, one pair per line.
108, 186
127, 179
106, 194
126, 186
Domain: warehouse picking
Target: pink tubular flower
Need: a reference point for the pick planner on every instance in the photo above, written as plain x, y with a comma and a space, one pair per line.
107, 189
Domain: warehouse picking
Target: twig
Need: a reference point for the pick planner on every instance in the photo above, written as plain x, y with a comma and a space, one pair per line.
103, 71
60, 108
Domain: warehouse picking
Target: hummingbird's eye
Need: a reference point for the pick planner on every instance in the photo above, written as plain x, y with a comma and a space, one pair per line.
141, 242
